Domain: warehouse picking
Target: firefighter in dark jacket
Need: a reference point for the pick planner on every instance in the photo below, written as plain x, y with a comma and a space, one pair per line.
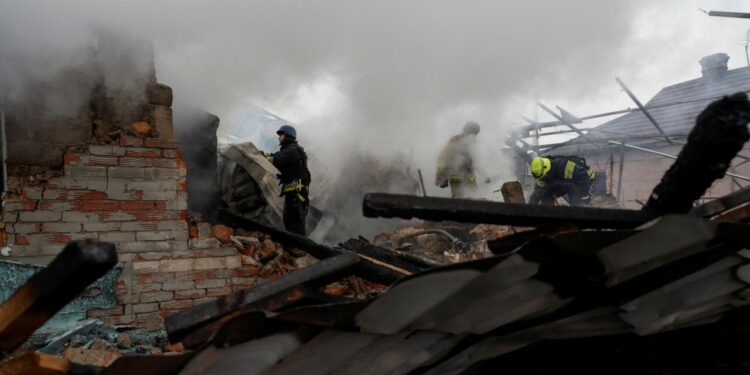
291, 161
558, 176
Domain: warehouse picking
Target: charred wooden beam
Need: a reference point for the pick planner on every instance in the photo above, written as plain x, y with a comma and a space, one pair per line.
397, 258
475, 211
179, 324
49, 290
715, 13
720, 132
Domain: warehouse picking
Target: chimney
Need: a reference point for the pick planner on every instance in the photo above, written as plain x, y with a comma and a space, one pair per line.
713, 66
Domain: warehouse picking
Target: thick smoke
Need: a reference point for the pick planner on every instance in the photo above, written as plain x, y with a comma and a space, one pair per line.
388, 81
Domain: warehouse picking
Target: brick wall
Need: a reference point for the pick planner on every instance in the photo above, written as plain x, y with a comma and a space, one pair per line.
134, 195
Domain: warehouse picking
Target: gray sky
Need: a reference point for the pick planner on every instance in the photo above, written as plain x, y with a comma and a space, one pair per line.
391, 77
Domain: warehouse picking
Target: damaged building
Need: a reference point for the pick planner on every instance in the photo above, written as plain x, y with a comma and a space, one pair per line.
133, 242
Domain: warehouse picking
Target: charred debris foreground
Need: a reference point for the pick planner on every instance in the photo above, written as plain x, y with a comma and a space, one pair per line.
586, 289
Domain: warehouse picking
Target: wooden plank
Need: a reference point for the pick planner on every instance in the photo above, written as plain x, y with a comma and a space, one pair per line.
484, 212
33, 363
46, 292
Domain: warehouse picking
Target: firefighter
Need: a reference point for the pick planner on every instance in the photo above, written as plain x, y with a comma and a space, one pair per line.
455, 165
558, 176
294, 178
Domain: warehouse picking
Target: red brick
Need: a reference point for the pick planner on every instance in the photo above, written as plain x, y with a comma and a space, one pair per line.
21, 240
99, 205
87, 195
3, 239
177, 304
59, 238
71, 158
137, 205
160, 206
138, 195
182, 185
191, 294
181, 164
106, 161
247, 272
161, 143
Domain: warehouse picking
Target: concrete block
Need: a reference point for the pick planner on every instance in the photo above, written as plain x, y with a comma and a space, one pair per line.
178, 285
162, 118
126, 161
152, 185
174, 225
127, 173
175, 265
208, 263
161, 173
144, 247
118, 216
18, 205
32, 192
140, 226
52, 249
155, 296
22, 228
10, 217
117, 236
204, 243
145, 266
160, 94
84, 236
101, 227
176, 305
39, 216
145, 307
171, 153
85, 171
107, 150
189, 294
81, 217
103, 161
233, 262
178, 204
54, 194
61, 227
165, 195
210, 283
84, 183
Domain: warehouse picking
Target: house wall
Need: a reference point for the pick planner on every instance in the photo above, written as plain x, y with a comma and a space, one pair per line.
133, 195
642, 171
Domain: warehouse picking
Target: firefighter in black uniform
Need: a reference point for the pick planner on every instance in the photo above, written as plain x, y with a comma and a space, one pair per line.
291, 161
558, 176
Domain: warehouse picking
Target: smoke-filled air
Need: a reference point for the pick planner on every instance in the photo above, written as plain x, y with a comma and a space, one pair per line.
376, 88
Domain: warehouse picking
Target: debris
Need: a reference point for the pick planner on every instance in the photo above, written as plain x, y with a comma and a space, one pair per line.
79, 264
512, 192
222, 232
33, 363
720, 132
124, 341
91, 357
57, 344
141, 129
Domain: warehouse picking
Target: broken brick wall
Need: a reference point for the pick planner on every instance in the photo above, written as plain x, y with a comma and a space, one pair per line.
133, 195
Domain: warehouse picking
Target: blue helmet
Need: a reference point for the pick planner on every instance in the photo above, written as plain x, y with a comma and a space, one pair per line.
288, 130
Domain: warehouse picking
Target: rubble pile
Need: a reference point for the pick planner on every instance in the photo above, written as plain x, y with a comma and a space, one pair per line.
445, 243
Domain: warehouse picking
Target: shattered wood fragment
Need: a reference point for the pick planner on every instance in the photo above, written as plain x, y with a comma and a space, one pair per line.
46, 292
475, 211
512, 192
392, 257
32, 363
720, 132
